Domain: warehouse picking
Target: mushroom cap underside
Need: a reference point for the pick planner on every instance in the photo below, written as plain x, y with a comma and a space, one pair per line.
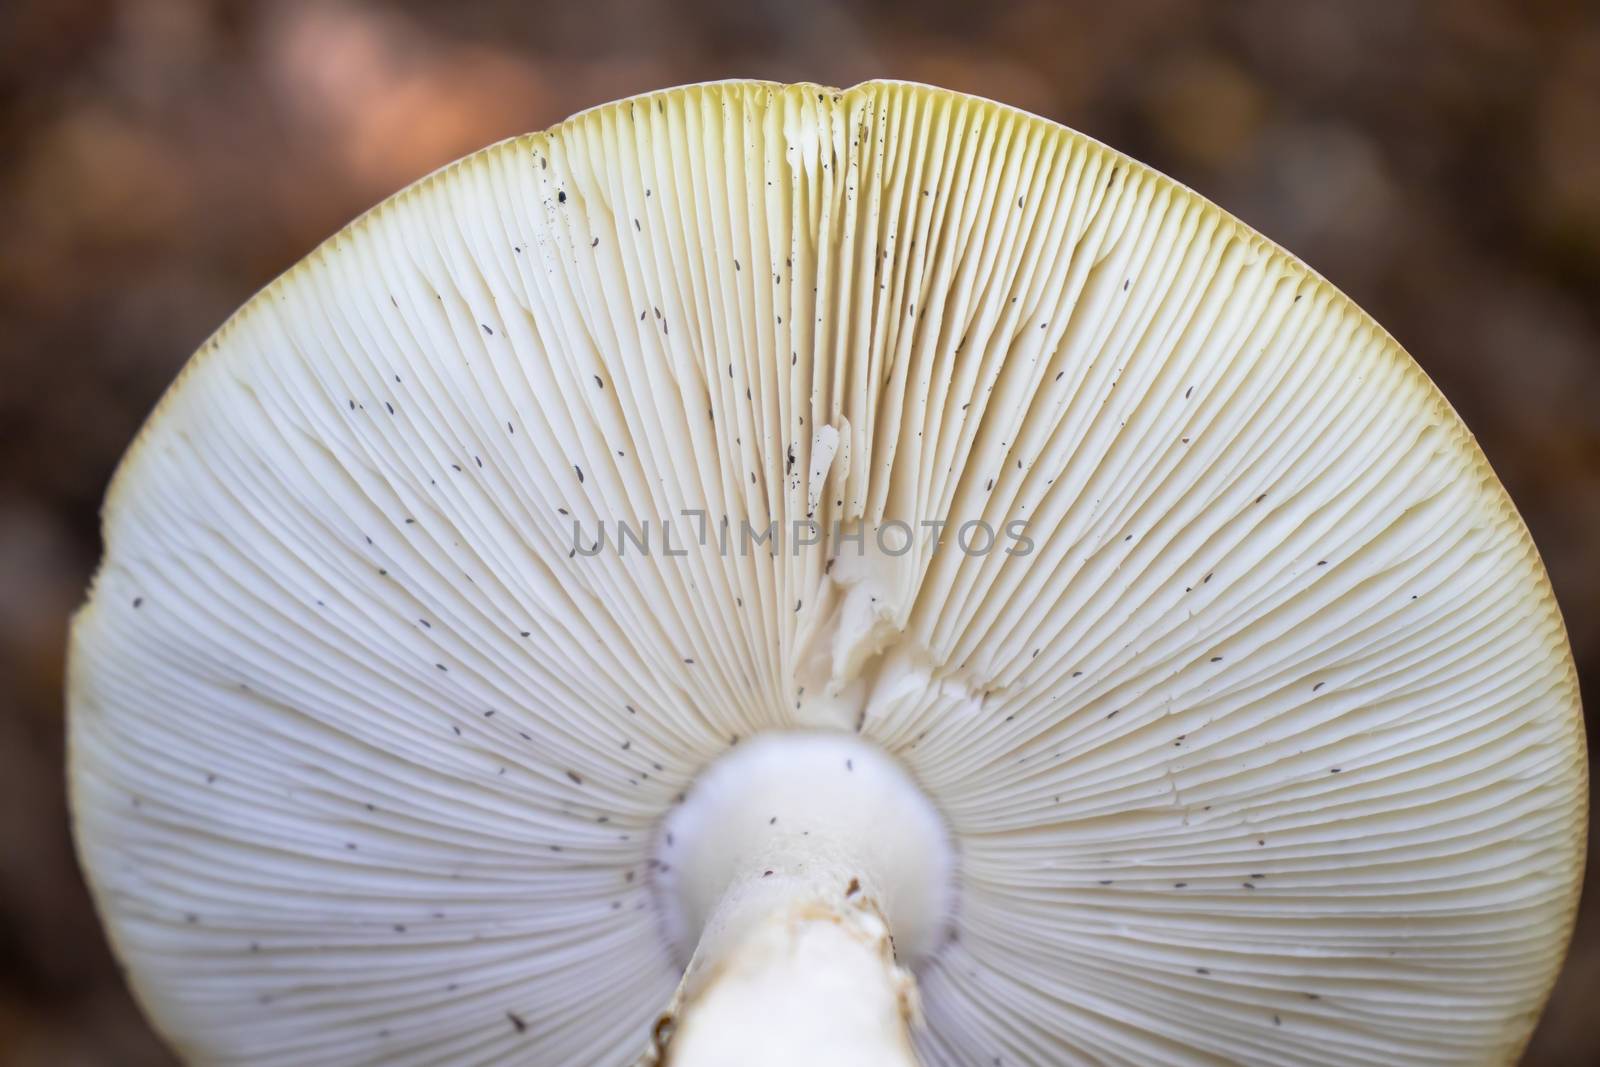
1258, 738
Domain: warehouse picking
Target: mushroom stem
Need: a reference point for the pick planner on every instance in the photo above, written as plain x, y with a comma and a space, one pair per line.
780, 877
793, 969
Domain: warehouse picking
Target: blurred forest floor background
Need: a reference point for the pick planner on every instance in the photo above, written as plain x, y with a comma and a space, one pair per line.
161, 160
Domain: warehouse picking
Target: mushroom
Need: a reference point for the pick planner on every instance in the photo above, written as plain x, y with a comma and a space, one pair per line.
765, 574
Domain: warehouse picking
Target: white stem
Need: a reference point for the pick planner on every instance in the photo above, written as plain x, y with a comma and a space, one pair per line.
794, 972
779, 878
